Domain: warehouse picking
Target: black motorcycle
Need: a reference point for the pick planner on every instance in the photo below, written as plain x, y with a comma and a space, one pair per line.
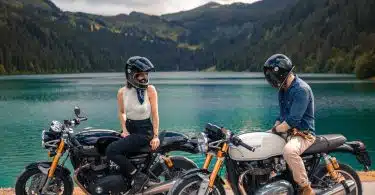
255, 165
94, 174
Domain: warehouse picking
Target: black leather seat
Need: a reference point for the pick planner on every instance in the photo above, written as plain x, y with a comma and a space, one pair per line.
325, 143
143, 152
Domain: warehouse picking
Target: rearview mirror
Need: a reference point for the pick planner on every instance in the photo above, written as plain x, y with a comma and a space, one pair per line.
77, 111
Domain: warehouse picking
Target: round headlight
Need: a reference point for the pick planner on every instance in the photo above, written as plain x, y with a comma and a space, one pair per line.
202, 142
56, 126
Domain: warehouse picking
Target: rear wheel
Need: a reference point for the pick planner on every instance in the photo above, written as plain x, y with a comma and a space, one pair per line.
180, 165
191, 185
346, 171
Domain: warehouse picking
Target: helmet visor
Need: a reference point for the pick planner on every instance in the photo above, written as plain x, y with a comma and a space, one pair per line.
272, 78
141, 78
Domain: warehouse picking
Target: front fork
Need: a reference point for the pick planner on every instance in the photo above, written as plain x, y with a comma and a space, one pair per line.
207, 184
52, 169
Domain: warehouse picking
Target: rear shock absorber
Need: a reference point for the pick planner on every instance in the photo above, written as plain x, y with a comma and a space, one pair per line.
332, 165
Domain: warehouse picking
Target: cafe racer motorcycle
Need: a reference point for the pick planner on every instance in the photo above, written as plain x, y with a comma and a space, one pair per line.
93, 173
254, 165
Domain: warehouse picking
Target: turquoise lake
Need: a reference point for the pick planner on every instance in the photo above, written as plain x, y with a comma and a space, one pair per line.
187, 101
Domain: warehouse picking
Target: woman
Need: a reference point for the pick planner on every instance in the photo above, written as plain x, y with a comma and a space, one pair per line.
137, 102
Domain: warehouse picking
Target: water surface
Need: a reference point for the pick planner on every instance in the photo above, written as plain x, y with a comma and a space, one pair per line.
187, 101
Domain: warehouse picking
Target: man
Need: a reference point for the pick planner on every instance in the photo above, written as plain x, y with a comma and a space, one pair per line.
296, 102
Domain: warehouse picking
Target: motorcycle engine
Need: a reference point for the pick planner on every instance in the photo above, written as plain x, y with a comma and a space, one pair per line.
111, 184
103, 176
258, 174
277, 187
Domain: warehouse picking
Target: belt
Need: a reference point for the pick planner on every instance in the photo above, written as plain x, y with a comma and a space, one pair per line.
305, 134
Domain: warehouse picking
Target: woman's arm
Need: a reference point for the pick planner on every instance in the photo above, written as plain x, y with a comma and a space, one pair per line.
121, 111
153, 97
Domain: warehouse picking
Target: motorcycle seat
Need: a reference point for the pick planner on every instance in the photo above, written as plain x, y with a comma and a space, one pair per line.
144, 151
325, 143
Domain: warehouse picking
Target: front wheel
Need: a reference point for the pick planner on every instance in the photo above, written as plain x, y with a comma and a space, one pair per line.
347, 172
191, 186
31, 182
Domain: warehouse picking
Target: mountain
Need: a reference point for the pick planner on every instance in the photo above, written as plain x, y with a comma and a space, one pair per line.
320, 36
213, 21
37, 37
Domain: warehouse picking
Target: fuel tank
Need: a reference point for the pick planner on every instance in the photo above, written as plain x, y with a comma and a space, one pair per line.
266, 145
95, 141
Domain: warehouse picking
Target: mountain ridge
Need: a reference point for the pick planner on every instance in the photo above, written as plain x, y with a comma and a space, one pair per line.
38, 37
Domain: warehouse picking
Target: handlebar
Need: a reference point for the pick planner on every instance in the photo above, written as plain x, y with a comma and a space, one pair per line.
74, 122
237, 142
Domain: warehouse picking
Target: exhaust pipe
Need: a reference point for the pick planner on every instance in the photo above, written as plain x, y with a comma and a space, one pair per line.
159, 188
339, 189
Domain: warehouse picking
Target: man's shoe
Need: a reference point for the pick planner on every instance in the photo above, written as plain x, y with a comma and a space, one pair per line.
307, 190
139, 181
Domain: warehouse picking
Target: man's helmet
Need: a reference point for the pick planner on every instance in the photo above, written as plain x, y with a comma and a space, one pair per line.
277, 69
135, 66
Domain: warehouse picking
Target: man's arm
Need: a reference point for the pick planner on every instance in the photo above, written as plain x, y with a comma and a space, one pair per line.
299, 105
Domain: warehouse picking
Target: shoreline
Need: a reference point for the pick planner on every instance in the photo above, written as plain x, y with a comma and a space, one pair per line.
365, 177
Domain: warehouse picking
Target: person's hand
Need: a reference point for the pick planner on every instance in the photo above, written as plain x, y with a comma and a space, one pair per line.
124, 133
155, 142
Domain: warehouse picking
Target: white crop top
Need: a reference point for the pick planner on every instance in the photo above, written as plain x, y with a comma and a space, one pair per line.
133, 109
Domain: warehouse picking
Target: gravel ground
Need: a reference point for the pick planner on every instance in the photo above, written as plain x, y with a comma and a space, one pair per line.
368, 182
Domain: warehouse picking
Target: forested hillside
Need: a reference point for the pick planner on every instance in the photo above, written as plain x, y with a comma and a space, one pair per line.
320, 36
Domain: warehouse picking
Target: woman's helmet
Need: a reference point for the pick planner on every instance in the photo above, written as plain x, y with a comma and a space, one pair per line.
135, 67
277, 69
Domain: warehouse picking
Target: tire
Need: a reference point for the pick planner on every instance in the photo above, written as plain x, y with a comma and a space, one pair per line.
27, 174
192, 183
348, 172
180, 164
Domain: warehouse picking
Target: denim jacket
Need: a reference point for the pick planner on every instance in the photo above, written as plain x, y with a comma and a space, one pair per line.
297, 106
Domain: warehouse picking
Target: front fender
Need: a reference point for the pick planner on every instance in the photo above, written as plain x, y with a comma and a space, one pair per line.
43, 166
192, 173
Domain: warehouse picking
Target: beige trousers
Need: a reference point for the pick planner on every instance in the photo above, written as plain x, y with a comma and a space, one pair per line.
292, 151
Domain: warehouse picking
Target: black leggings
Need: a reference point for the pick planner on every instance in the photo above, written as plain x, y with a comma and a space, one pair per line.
140, 136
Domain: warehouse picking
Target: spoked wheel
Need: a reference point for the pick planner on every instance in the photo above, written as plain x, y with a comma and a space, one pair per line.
191, 185
32, 181
347, 172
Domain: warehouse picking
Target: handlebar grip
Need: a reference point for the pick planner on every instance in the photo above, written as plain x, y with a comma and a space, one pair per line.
247, 146
236, 141
83, 119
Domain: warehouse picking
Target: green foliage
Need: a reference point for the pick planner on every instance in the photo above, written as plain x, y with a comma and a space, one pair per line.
31, 42
2, 69
365, 65
319, 36
336, 36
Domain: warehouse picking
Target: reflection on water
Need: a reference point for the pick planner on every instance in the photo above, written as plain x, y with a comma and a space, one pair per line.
187, 101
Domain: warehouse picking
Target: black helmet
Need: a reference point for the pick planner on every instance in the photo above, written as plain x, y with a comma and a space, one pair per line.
134, 65
277, 69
